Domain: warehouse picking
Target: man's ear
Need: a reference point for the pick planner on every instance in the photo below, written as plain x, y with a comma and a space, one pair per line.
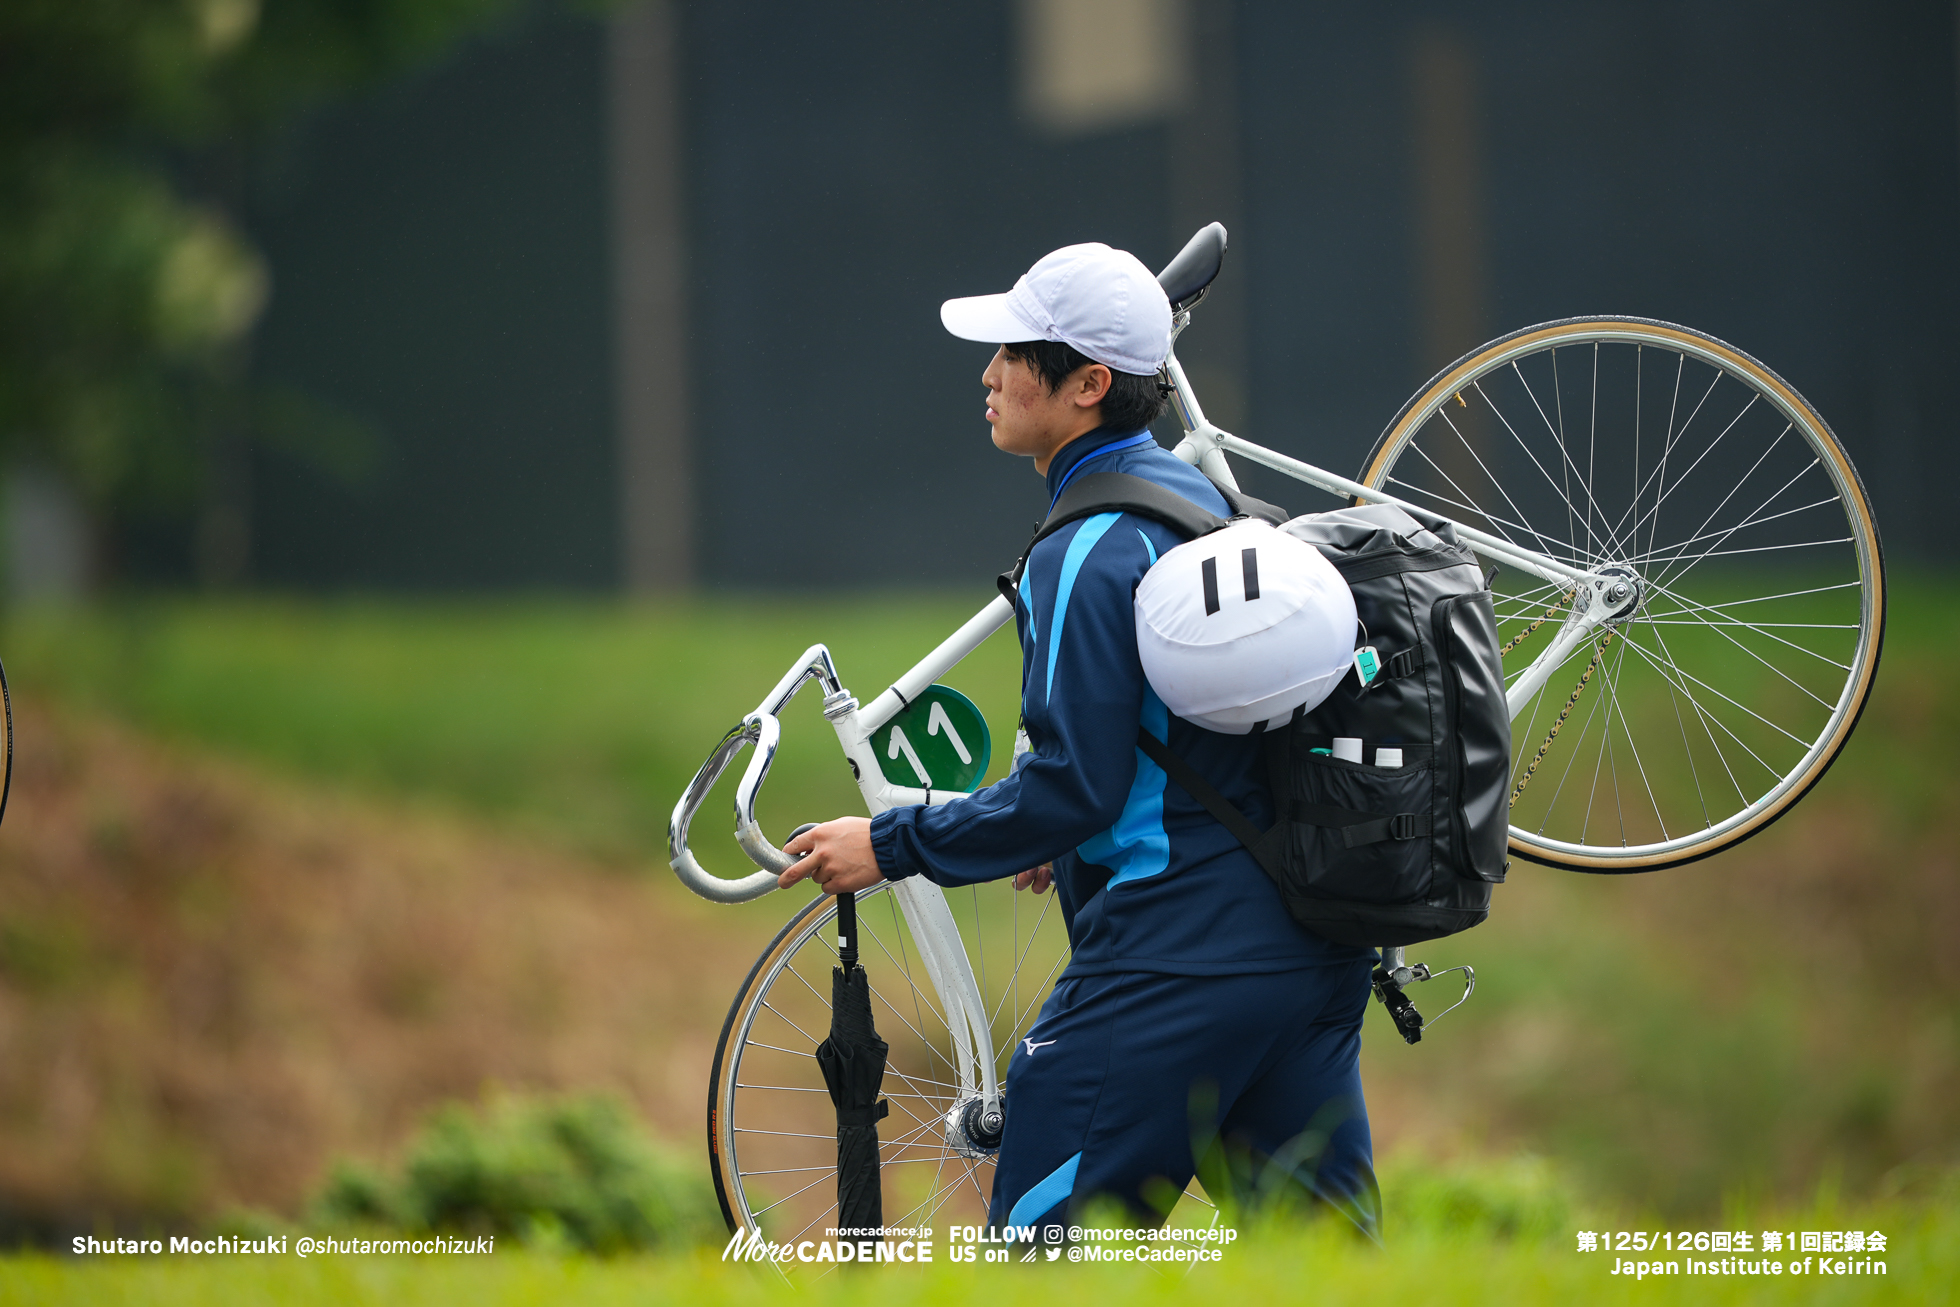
1091, 384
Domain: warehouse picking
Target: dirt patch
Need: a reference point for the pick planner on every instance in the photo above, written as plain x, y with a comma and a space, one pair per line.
212, 983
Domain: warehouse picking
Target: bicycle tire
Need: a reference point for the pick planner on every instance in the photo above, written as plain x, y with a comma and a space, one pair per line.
747, 1148
1853, 562
6, 717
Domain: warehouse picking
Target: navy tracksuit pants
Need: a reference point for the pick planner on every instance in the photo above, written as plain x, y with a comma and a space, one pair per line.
1122, 1074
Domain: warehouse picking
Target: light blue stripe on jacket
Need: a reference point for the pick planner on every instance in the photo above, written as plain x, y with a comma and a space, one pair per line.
1137, 846
1079, 546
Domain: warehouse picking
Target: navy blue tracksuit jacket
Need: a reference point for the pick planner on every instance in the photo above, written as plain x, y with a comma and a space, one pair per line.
1149, 881
1150, 884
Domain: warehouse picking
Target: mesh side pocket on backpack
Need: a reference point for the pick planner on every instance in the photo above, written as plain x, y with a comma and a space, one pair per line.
1360, 833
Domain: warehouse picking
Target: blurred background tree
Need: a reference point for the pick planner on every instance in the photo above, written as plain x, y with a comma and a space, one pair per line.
127, 287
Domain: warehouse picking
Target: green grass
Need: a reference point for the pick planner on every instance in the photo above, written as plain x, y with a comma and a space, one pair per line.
1439, 1258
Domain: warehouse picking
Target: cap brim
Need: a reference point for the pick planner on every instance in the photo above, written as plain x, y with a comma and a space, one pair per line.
985, 318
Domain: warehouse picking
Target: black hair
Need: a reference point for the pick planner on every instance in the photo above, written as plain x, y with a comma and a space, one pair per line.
1132, 402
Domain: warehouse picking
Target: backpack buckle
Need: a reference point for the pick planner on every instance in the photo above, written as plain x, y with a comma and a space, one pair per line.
1408, 825
1407, 662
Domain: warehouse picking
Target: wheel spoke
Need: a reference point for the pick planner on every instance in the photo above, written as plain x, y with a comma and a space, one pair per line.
1701, 715
1518, 763
1021, 1018
1659, 480
1667, 491
1825, 704
1564, 494
1788, 594
1676, 672
1830, 499
1571, 755
781, 1108
805, 1189
1687, 749
904, 961
1592, 442
1472, 451
1626, 726
1737, 488
1498, 522
1472, 506
1691, 608
787, 1089
1746, 521
1567, 468
1047, 900
791, 1024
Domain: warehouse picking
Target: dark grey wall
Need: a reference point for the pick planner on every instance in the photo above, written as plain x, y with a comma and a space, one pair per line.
1785, 176
440, 274
855, 165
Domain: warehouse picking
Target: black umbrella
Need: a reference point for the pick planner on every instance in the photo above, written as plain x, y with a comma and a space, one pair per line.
853, 1063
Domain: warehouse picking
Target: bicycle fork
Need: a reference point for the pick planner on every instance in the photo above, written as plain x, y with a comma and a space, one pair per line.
974, 1124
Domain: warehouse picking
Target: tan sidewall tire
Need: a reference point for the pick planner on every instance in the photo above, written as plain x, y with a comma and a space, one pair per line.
1669, 335
7, 714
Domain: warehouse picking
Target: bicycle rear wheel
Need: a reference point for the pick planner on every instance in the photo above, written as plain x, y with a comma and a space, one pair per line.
1673, 462
771, 1126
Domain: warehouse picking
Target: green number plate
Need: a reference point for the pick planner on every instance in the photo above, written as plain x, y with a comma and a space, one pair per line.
938, 742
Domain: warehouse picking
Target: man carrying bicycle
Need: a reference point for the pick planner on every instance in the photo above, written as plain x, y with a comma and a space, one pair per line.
1195, 1014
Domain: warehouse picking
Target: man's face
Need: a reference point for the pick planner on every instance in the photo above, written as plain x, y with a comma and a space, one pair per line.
1029, 421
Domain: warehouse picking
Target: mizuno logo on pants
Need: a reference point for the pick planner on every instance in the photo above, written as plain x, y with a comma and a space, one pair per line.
1032, 1046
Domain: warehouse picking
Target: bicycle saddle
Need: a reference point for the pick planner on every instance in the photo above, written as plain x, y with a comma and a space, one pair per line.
1185, 277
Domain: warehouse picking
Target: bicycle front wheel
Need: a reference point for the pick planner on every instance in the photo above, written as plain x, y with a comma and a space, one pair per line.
1674, 465
771, 1127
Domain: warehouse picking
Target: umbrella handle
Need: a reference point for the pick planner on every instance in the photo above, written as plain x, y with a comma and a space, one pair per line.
847, 931
847, 916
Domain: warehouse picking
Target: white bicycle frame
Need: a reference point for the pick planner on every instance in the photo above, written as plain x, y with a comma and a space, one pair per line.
930, 920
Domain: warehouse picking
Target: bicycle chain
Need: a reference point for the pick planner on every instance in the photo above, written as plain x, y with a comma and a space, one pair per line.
1549, 614
1598, 653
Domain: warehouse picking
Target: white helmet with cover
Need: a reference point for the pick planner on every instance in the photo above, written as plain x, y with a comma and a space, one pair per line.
1242, 626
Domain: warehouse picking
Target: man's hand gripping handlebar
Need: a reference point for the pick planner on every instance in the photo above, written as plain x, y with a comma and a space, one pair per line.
836, 854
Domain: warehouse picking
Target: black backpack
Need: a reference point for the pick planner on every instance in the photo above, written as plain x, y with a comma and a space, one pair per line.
1363, 854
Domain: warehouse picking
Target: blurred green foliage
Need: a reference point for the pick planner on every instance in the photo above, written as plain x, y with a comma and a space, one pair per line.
126, 285
1520, 1198
568, 1173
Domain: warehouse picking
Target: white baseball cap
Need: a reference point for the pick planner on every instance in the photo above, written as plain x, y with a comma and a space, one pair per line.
1102, 301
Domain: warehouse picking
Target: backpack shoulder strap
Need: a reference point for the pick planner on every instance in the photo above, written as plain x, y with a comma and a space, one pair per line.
1119, 492
1256, 841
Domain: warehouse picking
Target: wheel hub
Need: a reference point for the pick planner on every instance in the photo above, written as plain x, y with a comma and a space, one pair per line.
1617, 593
973, 1129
